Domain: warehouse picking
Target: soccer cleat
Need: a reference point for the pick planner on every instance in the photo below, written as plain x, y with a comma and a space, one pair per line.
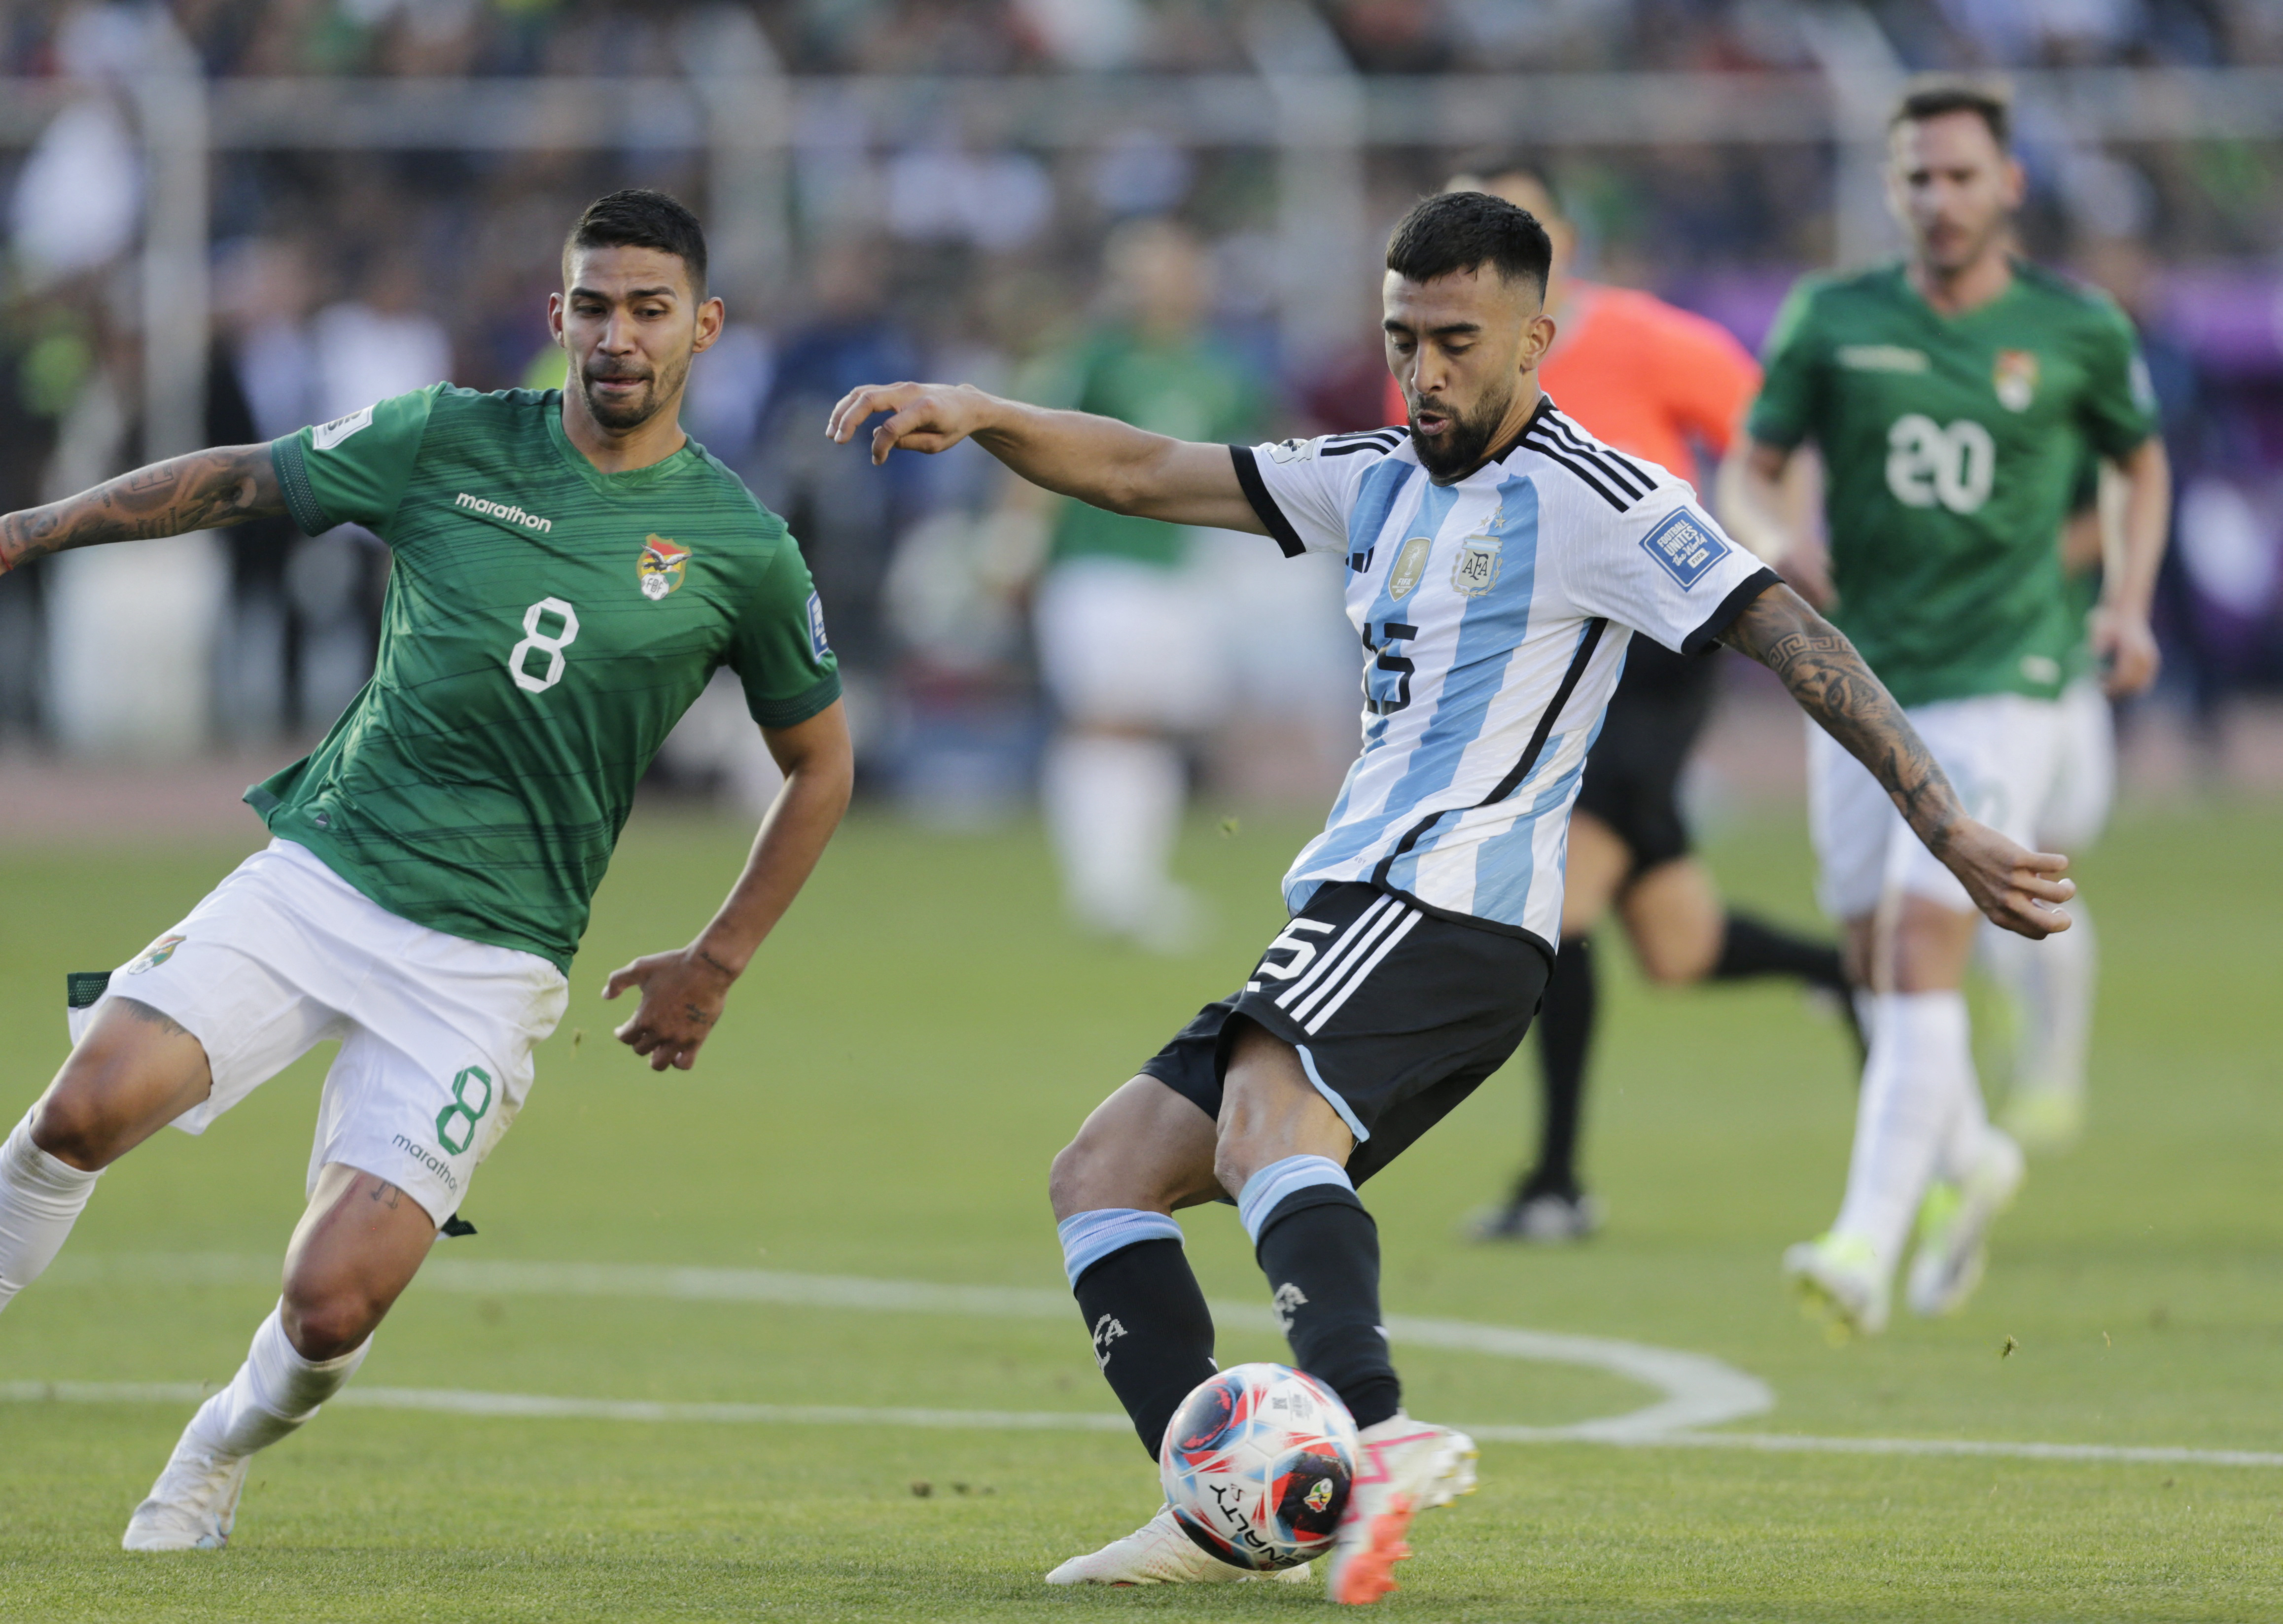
193, 1505
1549, 1219
1158, 1552
2046, 1121
1403, 1467
1840, 1282
1954, 1229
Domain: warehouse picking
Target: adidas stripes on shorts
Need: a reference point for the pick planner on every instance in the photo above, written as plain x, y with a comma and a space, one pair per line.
1398, 1014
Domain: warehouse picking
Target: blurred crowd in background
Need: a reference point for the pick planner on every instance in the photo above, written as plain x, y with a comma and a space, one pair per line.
342, 275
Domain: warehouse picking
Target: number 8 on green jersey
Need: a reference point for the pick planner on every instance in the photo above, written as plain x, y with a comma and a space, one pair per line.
546, 626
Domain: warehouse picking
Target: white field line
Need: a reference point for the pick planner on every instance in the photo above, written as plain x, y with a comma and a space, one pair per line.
1699, 1391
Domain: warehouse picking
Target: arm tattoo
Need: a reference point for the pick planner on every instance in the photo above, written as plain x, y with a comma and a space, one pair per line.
385, 1194
1832, 684
203, 491
160, 1018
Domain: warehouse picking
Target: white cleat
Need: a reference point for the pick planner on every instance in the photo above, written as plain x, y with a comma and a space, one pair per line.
1840, 1283
193, 1505
1954, 1229
1403, 1467
1158, 1552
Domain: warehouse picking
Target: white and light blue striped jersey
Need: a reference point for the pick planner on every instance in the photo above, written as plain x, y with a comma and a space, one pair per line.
1494, 614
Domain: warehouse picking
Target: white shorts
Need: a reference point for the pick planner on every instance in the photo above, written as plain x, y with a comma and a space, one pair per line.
2085, 778
2001, 752
436, 1031
1125, 644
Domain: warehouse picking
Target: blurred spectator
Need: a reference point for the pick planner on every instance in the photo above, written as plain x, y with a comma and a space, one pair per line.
845, 512
1134, 656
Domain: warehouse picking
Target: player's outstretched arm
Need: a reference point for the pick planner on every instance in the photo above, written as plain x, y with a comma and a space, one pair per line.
1098, 460
1832, 684
227, 485
682, 992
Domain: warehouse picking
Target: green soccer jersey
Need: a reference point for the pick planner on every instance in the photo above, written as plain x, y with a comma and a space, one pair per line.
1951, 448
546, 626
1187, 391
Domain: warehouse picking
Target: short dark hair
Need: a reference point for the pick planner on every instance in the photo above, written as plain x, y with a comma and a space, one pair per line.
1454, 231
1491, 163
1931, 95
641, 218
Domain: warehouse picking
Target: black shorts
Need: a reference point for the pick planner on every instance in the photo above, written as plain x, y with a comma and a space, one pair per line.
1398, 1015
1632, 779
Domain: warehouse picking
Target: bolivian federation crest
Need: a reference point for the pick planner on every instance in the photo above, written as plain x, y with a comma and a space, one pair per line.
157, 953
661, 566
2015, 379
1476, 570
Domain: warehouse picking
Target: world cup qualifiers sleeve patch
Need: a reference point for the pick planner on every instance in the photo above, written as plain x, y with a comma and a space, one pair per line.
817, 645
1685, 546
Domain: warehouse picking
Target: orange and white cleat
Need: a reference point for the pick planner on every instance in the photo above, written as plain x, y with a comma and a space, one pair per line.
1403, 1467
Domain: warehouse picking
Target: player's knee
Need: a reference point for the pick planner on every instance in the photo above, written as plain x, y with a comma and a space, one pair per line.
324, 1322
1071, 1179
1675, 964
72, 1124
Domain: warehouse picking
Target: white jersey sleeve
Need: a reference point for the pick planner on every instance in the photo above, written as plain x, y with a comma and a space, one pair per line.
1667, 570
1305, 490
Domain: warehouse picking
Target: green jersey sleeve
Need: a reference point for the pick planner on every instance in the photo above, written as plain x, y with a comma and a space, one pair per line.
2119, 410
353, 470
1786, 403
779, 649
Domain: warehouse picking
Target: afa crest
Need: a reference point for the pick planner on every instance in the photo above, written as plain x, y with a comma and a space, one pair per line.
661, 566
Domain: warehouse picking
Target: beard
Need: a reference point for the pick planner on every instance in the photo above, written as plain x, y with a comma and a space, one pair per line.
1461, 445
630, 412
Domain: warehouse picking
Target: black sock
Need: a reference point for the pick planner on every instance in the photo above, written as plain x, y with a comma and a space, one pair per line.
1755, 947
1153, 1336
1319, 1250
1565, 1035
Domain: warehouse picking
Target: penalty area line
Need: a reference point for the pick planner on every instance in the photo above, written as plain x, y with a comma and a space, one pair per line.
533, 1406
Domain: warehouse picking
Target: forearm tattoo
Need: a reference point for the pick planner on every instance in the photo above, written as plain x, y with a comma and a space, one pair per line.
1831, 682
202, 491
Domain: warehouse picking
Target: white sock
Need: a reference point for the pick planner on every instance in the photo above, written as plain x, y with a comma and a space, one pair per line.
1113, 807
274, 1392
1921, 1064
1963, 1135
41, 1198
2051, 983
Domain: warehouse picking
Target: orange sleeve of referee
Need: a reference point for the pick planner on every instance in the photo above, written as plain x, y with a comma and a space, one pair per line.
1709, 379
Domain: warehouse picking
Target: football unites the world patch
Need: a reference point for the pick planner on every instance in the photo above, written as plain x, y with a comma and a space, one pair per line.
661, 566
818, 646
1686, 546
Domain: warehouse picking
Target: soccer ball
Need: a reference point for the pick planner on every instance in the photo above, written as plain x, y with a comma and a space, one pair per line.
1257, 1465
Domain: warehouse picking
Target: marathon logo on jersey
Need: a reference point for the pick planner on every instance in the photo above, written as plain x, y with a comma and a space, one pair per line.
325, 436
1881, 358
661, 566
2015, 379
506, 512
817, 645
1685, 546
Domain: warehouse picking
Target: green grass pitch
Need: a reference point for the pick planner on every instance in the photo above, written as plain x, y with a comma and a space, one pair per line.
882, 1102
